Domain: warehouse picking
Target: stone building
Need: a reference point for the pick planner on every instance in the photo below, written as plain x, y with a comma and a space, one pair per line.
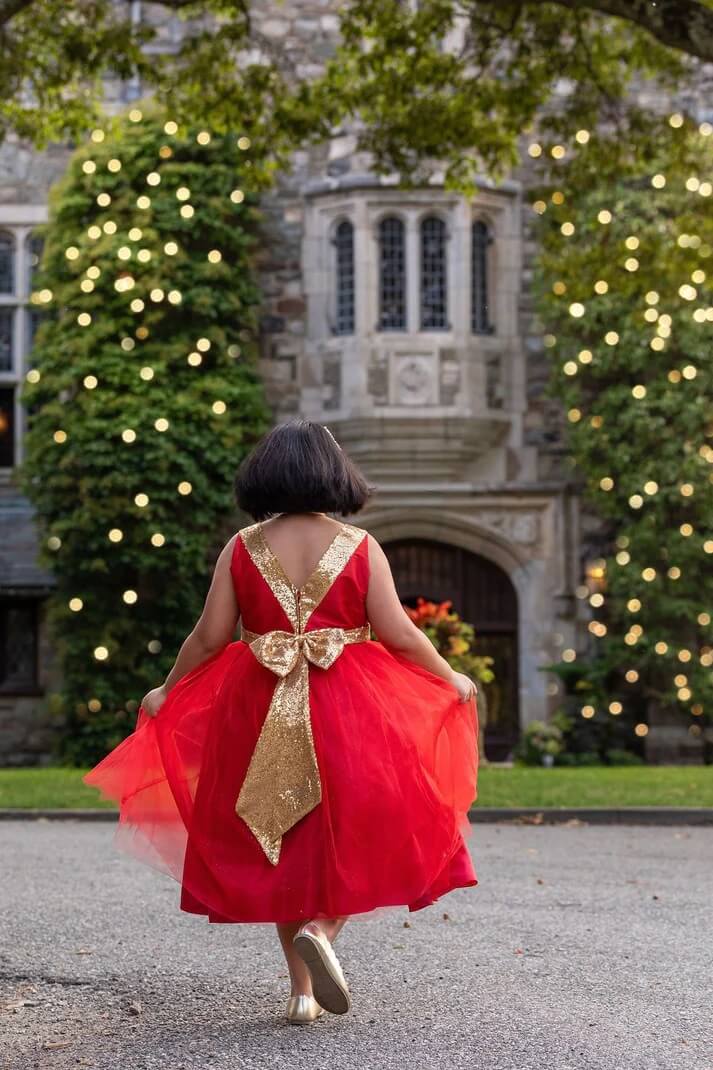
403, 320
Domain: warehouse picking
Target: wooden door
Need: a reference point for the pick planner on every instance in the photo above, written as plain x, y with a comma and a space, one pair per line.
483, 595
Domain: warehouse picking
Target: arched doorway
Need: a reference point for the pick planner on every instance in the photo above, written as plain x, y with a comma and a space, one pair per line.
482, 593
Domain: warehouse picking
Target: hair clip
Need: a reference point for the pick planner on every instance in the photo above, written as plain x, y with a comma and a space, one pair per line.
332, 437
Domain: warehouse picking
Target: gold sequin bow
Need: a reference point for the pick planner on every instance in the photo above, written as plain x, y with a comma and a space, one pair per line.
282, 783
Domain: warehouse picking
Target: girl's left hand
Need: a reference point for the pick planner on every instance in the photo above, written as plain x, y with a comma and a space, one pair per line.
465, 687
154, 700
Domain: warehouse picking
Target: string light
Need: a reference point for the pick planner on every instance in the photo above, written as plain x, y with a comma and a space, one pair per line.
158, 539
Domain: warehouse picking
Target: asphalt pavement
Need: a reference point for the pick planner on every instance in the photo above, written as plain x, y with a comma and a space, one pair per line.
584, 947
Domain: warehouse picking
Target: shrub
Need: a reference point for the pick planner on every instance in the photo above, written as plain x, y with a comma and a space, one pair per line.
143, 397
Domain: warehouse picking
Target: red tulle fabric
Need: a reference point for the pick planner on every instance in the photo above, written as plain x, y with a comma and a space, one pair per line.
398, 760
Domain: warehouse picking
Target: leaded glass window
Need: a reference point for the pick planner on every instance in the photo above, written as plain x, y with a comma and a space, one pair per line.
18, 645
34, 252
392, 275
7, 263
344, 261
481, 240
7, 318
434, 282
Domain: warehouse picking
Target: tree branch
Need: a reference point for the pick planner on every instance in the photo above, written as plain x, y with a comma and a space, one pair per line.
686, 25
10, 8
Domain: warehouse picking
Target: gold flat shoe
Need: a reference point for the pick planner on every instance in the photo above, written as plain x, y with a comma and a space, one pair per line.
328, 984
301, 1010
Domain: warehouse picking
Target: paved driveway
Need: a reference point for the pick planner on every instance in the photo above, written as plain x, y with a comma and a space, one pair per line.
583, 947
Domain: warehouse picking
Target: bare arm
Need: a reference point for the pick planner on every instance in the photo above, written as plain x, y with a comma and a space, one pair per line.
394, 628
213, 630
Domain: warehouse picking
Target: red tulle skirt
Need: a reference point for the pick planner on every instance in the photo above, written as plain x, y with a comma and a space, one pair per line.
398, 760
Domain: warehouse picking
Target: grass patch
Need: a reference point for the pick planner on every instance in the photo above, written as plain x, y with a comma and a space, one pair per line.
668, 785
608, 786
52, 788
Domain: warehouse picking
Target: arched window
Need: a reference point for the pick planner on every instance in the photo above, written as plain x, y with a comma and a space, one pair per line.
344, 282
7, 263
392, 275
481, 240
33, 252
434, 283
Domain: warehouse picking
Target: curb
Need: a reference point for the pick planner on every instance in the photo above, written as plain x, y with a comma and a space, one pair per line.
603, 815
523, 815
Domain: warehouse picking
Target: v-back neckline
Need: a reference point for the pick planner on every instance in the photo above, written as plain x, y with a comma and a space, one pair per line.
298, 589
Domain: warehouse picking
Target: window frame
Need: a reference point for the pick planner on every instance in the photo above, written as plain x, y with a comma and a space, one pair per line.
33, 604
488, 246
388, 216
424, 218
336, 327
23, 233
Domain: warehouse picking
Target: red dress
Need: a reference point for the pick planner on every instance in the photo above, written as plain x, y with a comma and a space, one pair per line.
304, 771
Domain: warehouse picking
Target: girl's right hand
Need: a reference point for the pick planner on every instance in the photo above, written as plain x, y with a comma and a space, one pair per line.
465, 687
153, 700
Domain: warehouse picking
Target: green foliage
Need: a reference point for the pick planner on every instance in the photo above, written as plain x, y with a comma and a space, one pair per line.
626, 297
538, 740
157, 390
443, 84
452, 86
452, 637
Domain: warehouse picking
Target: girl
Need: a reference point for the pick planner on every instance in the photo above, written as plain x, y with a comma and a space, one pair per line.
306, 772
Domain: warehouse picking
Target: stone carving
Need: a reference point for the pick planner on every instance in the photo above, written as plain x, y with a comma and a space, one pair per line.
449, 377
332, 384
378, 378
519, 527
413, 380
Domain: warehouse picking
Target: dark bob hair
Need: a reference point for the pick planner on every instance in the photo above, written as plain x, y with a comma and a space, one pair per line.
298, 467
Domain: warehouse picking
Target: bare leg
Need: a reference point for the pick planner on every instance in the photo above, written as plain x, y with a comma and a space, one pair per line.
331, 927
300, 979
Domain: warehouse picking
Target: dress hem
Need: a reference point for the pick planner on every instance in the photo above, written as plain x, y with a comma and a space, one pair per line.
217, 919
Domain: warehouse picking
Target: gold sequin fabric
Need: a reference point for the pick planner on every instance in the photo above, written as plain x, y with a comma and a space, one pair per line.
282, 783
